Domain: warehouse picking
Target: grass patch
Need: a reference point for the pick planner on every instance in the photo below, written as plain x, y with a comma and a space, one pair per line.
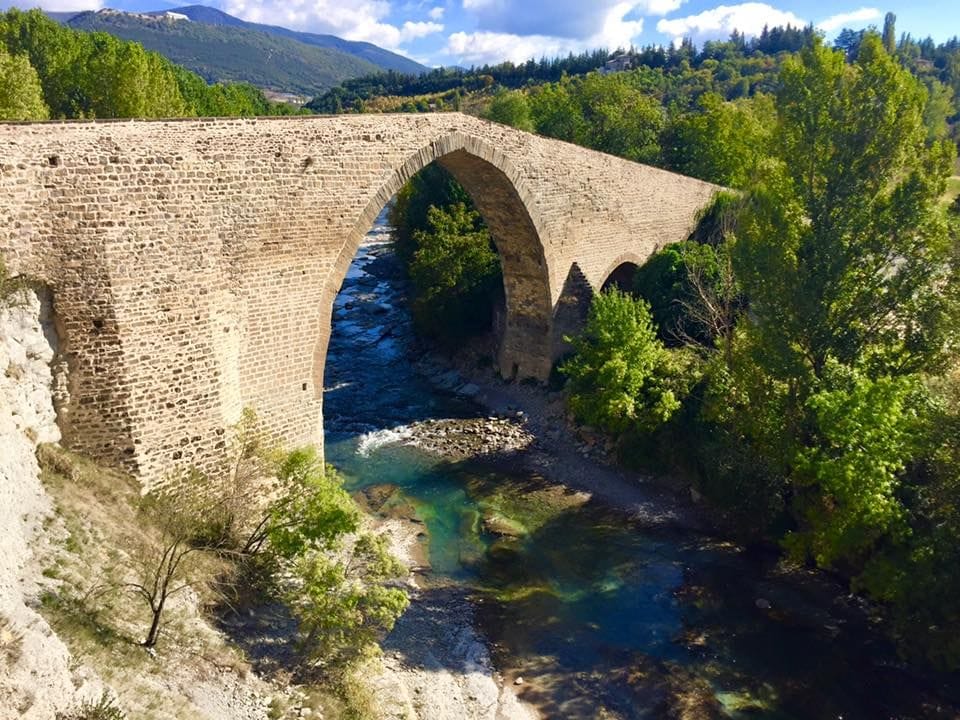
98, 528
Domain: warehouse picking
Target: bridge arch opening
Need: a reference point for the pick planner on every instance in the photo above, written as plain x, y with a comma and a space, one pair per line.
621, 277
524, 349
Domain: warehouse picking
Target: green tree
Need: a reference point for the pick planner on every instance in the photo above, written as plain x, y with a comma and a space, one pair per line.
721, 142
455, 273
344, 604
865, 435
431, 187
844, 250
556, 113
845, 256
890, 33
21, 97
510, 107
618, 118
621, 377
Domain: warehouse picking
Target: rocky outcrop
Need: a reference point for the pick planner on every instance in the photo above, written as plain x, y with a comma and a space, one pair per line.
35, 666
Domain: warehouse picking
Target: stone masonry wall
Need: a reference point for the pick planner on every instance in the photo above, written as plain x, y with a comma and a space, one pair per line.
193, 264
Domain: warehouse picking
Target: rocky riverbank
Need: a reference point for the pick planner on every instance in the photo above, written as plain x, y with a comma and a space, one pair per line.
527, 429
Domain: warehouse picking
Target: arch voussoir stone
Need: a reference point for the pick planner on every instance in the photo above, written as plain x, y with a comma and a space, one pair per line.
195, 263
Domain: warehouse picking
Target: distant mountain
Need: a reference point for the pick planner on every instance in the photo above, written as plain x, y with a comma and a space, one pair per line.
220, 47
367, 51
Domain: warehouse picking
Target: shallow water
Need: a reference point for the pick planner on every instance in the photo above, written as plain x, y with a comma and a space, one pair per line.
602, 618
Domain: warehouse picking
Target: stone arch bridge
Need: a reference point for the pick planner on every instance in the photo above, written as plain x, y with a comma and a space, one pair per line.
193, 264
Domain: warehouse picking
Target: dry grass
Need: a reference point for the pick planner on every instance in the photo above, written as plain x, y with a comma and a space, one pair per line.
11, 643
102, 624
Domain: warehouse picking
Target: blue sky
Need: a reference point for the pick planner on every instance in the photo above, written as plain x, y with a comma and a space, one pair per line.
467, 32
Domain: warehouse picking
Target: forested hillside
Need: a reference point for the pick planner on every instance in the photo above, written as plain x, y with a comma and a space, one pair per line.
226, 53
49, 71
383, 59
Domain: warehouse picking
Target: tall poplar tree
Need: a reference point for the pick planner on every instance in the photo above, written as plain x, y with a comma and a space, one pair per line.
847, 260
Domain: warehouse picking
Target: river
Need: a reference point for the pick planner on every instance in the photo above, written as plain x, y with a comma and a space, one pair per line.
602, 614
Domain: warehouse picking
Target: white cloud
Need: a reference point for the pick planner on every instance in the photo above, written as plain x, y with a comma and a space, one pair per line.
414, 30
359, 20
480, 48
835, 22
717, 24
436, 13
613, 21
477, 48
658, 7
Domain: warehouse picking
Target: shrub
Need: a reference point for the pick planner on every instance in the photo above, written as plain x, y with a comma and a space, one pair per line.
620, 376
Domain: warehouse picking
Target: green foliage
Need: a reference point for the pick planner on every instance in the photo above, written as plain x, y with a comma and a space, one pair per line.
865, 434
890, 33
344, 605
455, 274
97, 75
844, 251
312, 510
620, 376
431, 187
21, 97
720, 141
447, 251
664, 281
511, 108
620, 119
916, 573
848, 262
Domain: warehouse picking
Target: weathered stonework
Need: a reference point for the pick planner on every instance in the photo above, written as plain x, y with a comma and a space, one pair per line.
194, 263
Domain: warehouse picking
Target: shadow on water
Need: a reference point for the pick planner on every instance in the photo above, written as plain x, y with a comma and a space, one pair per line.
602, 616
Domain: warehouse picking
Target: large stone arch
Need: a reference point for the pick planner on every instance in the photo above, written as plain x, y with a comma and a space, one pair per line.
500, 195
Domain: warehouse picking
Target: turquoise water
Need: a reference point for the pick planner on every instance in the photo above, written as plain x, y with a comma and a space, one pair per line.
601, 616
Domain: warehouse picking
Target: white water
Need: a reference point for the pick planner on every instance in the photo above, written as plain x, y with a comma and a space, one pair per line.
368, 442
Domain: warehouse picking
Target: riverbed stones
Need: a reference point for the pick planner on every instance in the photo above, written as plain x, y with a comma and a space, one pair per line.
461, 439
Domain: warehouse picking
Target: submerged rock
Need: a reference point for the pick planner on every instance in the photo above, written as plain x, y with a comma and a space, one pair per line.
503, 526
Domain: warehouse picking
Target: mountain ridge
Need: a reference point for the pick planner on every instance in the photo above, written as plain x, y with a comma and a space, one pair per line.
223, 48
368, 51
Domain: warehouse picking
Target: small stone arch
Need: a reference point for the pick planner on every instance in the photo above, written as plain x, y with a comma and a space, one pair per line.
619, 273
502, 198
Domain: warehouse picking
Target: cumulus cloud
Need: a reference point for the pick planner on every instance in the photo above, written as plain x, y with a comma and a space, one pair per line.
479, 48
616, 27
717, 24
571, 19
436, 13
361, 20
835, 22
413, 30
